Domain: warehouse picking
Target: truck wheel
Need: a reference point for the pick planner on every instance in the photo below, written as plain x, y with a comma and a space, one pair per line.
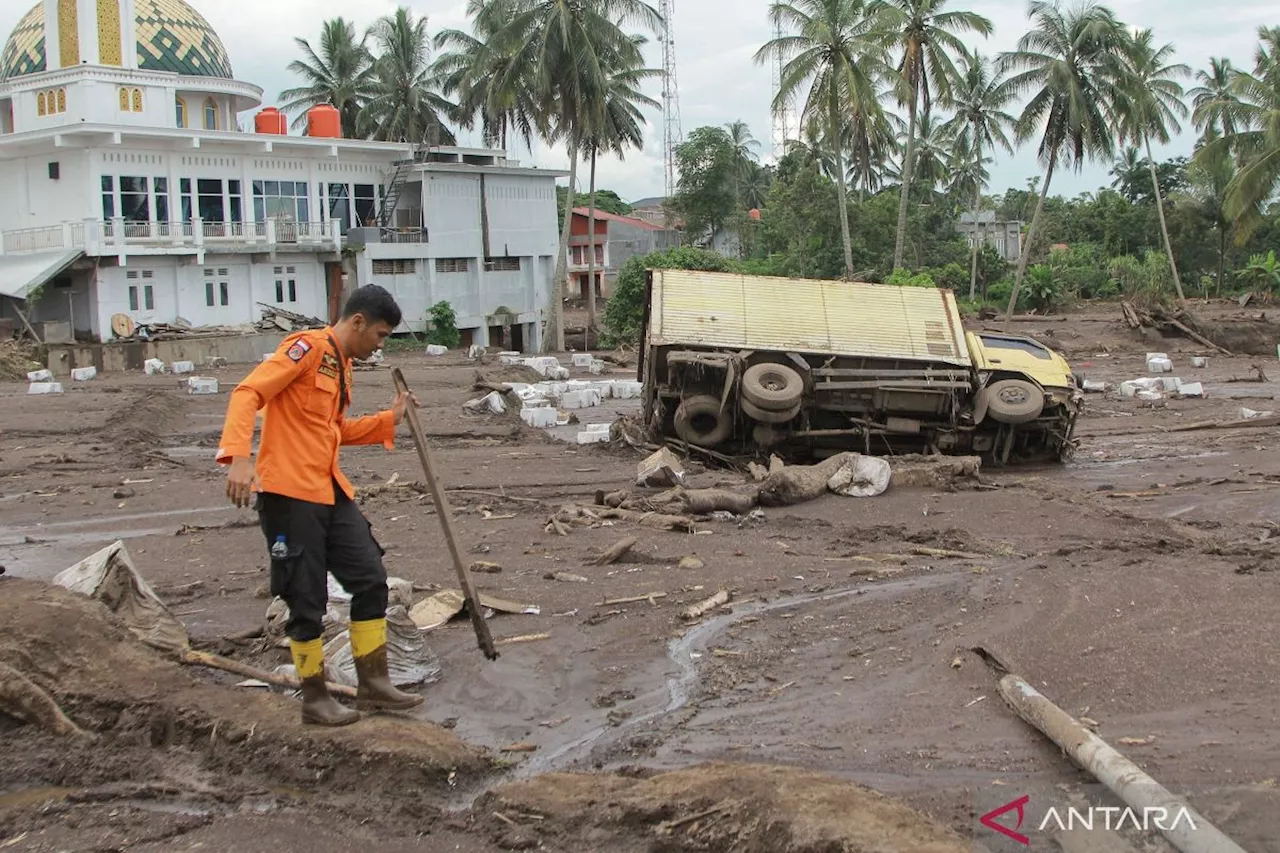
765, 416
700, 422
773, 387
1014, 401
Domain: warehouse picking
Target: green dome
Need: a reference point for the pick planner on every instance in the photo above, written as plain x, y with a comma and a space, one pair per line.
171, 36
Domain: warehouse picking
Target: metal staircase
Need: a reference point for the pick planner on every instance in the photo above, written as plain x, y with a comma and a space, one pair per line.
391, 192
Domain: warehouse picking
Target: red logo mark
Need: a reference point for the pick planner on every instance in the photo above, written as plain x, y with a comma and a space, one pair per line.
989, 820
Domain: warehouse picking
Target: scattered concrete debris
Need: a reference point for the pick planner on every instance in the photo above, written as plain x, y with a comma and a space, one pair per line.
436, 349
492, 403
154, 366
1095, 386
180, 367
45, 388
1199, 361
40, 376
1159, 363
661, 470
1247, 414
202, 385
1192, 389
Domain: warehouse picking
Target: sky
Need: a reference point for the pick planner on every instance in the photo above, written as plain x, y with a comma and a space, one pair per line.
719, 81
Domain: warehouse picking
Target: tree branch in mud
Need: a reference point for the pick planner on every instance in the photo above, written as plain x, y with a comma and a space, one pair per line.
697, 611
23, 700
589, 516
236, 667
707, 501
615, 553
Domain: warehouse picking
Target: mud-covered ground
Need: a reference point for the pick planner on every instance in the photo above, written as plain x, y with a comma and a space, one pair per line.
1137, 587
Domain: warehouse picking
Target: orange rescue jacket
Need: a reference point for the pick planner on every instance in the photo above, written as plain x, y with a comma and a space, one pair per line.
303, 425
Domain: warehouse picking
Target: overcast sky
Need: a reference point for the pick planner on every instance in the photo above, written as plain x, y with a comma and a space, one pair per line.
719, 81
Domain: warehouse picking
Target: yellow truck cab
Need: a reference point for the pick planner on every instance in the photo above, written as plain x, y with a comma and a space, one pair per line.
803, 367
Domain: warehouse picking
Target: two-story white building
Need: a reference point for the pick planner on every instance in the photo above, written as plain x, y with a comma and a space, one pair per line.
129, 188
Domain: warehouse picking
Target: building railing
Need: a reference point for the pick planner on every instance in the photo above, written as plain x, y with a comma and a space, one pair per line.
120, 236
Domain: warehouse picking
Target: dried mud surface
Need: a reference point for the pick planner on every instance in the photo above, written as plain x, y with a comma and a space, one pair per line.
1136, 586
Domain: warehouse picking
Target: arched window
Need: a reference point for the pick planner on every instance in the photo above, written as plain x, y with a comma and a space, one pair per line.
210, 114
40, 107
124, 100
180, 109
137, 100
62, 100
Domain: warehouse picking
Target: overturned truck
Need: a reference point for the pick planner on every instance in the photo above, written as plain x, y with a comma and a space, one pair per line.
805, 368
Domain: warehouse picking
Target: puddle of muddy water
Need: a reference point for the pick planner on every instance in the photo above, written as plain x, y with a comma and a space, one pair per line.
679, 675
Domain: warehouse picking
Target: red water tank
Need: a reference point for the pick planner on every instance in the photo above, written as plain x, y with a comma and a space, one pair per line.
324, 120
270, 120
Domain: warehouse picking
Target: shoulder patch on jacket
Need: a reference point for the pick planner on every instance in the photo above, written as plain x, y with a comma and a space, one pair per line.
329, 360
299, 350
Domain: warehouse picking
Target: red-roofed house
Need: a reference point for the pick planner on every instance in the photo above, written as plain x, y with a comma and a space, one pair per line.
617, 239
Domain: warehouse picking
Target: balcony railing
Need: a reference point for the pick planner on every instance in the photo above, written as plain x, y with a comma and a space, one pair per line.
119, 236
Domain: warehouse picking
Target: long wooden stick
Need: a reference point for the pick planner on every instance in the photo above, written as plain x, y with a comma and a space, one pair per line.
195, 658
445, 513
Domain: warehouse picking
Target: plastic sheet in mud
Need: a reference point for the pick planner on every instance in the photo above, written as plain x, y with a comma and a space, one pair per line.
110, 577
410, 660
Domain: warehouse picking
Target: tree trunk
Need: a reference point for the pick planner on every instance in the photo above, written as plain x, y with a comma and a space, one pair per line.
1222, 255
977, 206
554, 339
1025, 253
591, 258
906, 182
840, 189
1164, 227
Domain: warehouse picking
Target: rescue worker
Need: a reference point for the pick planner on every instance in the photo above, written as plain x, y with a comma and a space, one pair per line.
304, 503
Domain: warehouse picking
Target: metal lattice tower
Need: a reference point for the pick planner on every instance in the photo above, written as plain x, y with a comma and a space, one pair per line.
782, 129
673, 134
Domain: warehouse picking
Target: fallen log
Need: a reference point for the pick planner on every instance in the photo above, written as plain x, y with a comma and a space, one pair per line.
1190, 834
706, 501
697, 611
205, 659
21, 699
1233, 424
615, 553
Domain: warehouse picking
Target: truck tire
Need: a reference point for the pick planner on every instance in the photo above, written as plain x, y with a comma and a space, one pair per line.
1014, 401
773, 387
766, 416
699, 421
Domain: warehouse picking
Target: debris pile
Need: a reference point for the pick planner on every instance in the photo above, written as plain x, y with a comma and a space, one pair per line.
1182, 324
274, 319
1155, 389
15, 361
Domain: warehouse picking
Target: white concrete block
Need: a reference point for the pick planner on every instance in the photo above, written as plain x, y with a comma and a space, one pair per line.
604, 389
1247, 414
510, 358
596, 368
1150, 396
1152, 355
202, 385
1094, 386
1159, 365
583, 359
580, 399
596, 427
436, 349
1191, 389
593, 438
180, 367
1199, 361
627, 390
83, 374
557, 373
475, 351
542, 417
1129, 388
40, 376
1170, 383
45, 388
155, 366
491, 402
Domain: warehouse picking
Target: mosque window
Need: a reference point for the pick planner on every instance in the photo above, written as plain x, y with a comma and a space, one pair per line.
124, 100
180, 107
41, 109
137, 100
62, 100
210, 115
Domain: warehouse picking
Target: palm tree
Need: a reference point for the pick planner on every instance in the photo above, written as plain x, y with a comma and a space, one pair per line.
1149, 105
980, 95
564, 48
1211, 100
835, 45
1127, 170
871, 137
621, 126
340, 75
474, 69
404, 106
926, 35
1070, 62
1210, 178
1253, 108
744, 146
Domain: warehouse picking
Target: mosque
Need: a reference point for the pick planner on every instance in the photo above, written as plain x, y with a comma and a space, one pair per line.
141, 178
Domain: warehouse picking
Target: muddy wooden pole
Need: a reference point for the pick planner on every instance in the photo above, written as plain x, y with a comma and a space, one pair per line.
1125, 779
195, 658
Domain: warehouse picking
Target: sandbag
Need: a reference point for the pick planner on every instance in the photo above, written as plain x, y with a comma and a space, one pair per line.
861, 477
109, 577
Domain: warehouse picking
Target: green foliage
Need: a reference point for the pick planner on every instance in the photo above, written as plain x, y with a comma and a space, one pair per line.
707, 193
903, 277
442, 326
606, 200
624, 315
1043, 288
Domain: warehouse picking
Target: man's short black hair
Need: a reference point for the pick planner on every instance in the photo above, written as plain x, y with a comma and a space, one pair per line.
375, 303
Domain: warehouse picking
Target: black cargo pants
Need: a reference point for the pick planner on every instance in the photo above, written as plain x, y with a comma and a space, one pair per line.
322, 539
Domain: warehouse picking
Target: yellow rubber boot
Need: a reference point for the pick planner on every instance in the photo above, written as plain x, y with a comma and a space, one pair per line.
376, 692
319, 708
